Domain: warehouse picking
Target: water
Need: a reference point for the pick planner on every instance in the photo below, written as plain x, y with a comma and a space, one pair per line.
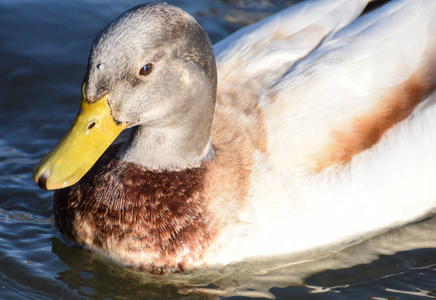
44, 46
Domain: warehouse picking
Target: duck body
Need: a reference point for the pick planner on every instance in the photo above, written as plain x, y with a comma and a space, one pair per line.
321, 133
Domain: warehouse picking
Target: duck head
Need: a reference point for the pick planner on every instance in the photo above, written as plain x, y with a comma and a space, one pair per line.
152, 69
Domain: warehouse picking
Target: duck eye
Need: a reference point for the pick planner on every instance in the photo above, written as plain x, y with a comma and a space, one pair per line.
145, 70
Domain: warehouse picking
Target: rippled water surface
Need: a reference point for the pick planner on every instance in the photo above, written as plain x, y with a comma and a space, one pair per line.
44, 46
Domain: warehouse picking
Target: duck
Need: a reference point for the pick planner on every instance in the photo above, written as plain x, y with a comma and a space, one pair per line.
312, 128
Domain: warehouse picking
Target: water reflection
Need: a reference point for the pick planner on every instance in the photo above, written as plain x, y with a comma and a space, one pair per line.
93, 277
96, 278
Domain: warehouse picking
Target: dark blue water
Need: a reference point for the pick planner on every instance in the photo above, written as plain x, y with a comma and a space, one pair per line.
44, 46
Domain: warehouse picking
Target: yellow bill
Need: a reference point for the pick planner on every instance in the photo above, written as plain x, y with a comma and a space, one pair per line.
92, 133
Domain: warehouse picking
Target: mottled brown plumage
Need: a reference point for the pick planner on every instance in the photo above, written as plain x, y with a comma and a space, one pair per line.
164, 214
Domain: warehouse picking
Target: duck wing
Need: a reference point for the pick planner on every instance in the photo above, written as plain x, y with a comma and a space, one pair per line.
271, 46
351, 128
342, 97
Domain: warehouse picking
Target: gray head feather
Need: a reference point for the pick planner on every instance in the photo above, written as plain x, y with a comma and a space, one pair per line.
179, 94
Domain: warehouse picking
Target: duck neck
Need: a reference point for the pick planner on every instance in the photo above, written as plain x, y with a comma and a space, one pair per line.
165, 149
179, 145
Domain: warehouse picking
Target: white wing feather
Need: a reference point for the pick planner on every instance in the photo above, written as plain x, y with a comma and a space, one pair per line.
278, 41
348, 75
